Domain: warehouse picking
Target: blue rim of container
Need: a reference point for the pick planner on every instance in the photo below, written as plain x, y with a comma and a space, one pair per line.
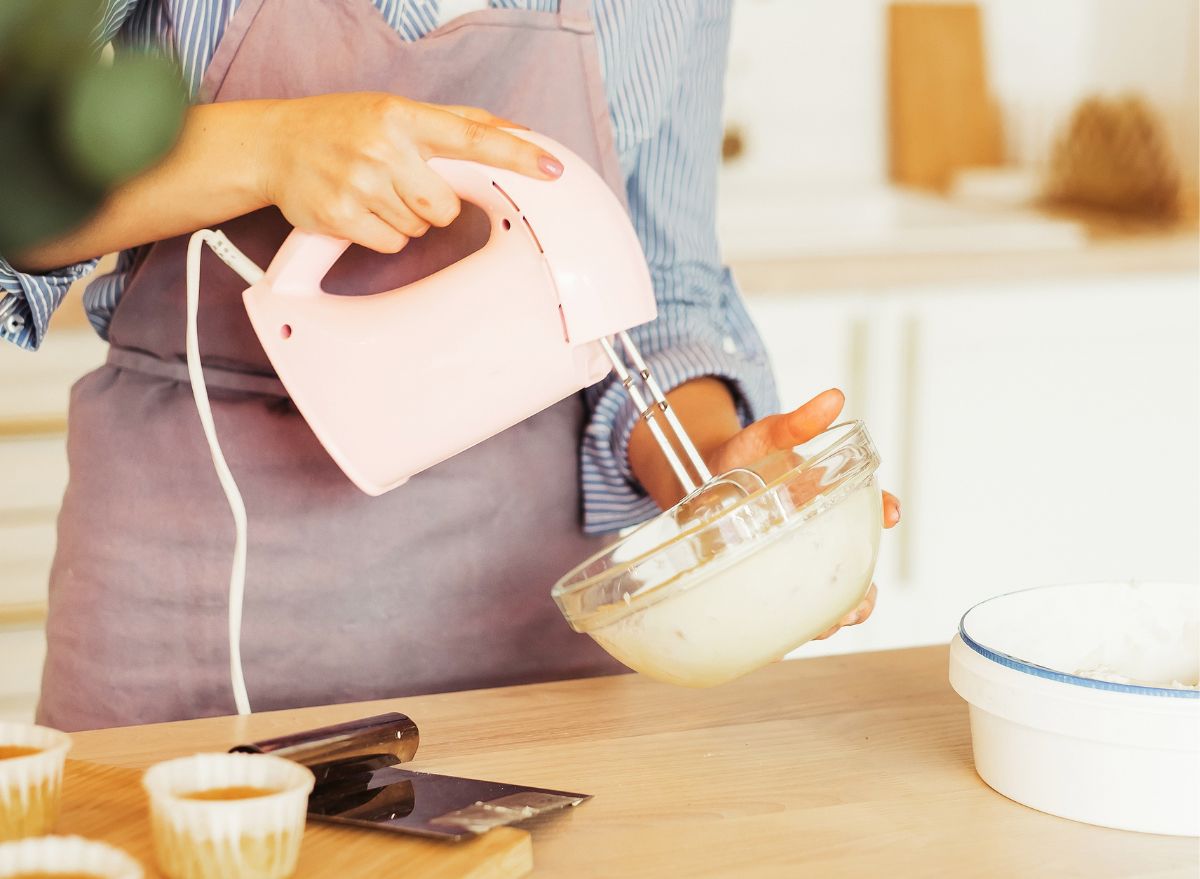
1040, 671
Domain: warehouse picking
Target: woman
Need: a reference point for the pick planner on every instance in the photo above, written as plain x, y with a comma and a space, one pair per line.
442, 584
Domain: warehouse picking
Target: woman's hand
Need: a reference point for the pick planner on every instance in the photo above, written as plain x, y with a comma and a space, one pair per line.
783, 431
706, 409
353, 165
780, 432
347, 165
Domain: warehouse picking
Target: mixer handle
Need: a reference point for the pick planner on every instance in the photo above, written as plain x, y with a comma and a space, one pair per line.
306, 257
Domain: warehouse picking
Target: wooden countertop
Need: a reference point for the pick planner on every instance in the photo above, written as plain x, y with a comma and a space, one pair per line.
1177, 252
855, 766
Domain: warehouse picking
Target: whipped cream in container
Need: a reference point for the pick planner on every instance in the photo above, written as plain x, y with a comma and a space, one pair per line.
1083, 701
1128, 634
727, 581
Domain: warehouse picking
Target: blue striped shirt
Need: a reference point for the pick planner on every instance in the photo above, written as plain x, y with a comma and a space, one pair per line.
663, 65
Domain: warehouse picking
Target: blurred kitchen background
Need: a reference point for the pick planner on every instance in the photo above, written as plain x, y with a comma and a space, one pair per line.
979, 220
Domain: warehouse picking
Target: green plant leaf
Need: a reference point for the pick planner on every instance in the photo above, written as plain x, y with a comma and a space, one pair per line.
13, 14
44, 40
118, 121
39, 202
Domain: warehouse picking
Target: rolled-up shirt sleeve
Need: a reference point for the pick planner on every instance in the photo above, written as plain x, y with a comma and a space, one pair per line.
27, 301
703, 328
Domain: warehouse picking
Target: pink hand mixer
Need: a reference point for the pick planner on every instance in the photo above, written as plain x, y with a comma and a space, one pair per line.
531, 312
534, 315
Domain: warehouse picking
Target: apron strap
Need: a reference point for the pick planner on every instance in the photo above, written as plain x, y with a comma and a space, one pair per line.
227, 48
214, 377
575, 16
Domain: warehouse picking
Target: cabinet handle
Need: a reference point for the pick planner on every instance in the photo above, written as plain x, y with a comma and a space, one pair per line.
910, 372
858, 386
733, 144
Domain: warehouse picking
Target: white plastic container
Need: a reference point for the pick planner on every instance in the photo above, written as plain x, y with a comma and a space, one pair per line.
1119, 749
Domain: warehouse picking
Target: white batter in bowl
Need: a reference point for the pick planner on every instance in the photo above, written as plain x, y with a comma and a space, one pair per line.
698, 599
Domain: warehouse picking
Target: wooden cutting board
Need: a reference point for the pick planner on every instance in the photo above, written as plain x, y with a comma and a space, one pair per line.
941, 115
107, 803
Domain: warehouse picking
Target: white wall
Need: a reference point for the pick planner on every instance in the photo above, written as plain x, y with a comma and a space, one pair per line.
1044, 55
1151, 46
807, 78
806, 85
1038, 58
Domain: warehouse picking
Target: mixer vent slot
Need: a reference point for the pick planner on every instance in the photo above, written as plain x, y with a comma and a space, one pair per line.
507, 197
532, 234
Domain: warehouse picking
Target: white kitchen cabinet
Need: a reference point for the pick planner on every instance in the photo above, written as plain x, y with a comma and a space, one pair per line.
815, 342
1037, 432
33, 408
33, 485
1055, 436
27, 549
36, 386
35, 479
23, 651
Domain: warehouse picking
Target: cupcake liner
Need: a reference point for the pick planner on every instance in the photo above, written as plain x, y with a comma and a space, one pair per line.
30, 786
68, 855
257, 838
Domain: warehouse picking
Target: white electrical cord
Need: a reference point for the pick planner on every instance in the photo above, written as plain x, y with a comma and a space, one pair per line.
251, 273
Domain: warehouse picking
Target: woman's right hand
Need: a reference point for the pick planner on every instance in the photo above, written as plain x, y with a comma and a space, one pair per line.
354, 166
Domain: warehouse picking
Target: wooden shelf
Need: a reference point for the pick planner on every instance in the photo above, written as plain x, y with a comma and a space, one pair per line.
26, 615
33, 425
1148, 254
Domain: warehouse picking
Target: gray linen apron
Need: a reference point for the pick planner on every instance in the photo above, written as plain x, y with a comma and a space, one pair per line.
441, 584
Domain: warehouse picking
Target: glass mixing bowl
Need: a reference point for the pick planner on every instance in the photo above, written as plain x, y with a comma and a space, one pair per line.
727, 581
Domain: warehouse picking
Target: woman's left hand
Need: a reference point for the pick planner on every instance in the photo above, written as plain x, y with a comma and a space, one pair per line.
706, 409
781, 432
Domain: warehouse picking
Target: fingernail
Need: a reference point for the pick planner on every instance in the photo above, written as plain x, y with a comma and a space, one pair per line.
550, 166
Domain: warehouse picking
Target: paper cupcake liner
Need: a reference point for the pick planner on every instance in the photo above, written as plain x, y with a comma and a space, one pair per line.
257, 838
30, 786
66, 854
